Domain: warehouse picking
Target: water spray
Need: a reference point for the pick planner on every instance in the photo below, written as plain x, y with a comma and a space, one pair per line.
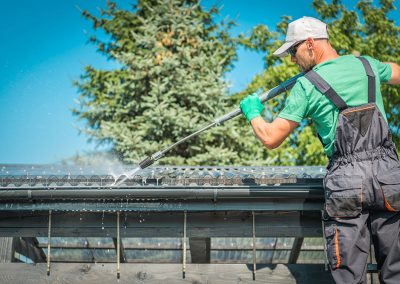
287, 85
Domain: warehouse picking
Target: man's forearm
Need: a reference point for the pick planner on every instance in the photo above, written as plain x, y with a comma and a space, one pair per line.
262, 130
395, 78
272, 134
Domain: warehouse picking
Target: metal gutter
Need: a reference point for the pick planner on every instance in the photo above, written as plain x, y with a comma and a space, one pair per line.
205, 192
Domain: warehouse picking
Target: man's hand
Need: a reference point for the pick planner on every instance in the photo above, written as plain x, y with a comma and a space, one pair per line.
251, 107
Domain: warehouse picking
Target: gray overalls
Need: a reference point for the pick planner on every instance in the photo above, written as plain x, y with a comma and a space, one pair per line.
362, 190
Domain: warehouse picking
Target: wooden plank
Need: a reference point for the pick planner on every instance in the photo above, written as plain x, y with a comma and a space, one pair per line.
6, 250
156, 224
19, 273
173, 247
200, 249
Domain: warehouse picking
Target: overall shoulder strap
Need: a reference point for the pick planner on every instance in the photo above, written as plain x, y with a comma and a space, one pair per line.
326, 89
371, 79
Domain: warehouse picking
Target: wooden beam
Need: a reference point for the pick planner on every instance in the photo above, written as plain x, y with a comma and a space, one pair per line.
165, 273
294, 254
162, 224
200, 249
122, 257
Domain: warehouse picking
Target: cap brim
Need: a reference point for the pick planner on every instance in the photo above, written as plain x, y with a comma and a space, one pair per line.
283, 50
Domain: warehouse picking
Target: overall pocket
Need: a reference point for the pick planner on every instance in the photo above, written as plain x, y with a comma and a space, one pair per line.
390, 186
343, 196
332, 246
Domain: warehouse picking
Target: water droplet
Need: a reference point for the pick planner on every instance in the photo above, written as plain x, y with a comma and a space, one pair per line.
102, 221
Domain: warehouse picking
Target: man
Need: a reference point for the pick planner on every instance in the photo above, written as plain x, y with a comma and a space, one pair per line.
341, 94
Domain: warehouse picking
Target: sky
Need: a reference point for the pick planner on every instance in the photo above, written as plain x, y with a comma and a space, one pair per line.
44, 48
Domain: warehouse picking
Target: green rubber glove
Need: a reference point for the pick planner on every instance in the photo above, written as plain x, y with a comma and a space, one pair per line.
251, 107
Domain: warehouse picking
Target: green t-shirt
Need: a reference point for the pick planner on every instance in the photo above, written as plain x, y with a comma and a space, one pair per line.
348, 78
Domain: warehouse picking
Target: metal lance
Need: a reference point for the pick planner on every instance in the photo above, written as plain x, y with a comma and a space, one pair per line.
287, 85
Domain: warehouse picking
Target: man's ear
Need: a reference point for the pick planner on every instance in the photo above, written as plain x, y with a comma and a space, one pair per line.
310, 43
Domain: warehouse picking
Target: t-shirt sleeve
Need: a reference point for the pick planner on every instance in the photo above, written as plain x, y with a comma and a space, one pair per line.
296, 105
384, 69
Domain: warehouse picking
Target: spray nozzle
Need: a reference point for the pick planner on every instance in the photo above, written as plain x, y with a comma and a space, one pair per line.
150, 160
146, 162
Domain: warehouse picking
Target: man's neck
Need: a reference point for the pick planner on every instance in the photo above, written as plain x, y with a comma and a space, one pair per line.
325, 54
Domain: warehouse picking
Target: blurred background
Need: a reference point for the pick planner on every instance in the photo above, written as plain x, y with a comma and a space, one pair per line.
70, 88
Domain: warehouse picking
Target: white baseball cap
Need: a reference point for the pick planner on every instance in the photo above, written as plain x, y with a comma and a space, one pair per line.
300, 30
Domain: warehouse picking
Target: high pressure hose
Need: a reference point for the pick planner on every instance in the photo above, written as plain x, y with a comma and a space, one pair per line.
287, 85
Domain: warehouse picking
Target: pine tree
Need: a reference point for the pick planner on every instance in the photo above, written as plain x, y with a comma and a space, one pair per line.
173, 56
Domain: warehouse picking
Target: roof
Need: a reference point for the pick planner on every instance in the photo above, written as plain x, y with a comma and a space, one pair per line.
218, 202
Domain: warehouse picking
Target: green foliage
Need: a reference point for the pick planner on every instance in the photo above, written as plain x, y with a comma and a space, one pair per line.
366, 31
173, 56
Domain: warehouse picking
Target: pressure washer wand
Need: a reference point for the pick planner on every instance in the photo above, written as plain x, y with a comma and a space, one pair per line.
287, 85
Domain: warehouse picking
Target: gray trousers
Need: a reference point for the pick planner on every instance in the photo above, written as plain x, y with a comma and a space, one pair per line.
348, 244
362, 188
362, 202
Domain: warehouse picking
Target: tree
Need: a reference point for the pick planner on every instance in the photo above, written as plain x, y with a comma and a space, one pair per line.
368, 30
173, 56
